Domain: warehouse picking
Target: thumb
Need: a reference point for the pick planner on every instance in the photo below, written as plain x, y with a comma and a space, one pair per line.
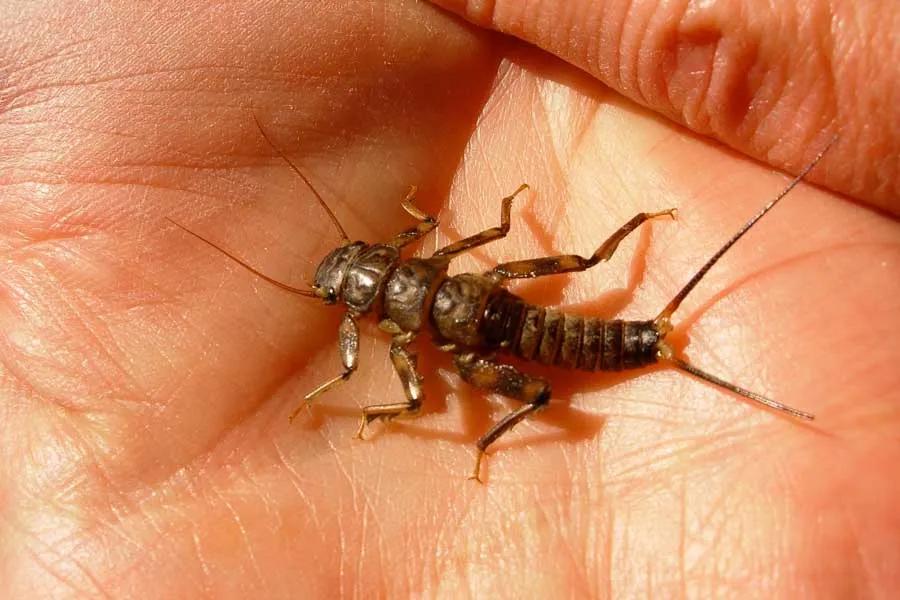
774, 81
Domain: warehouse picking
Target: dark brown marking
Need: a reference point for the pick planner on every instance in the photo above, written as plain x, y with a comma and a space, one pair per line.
496, 317
611, 353
591, 346
552, 338
532, 330
569, 352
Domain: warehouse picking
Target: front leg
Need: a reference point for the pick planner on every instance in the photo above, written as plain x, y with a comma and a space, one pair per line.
405, 364
426, 222
348, 343
508, 381
488, 235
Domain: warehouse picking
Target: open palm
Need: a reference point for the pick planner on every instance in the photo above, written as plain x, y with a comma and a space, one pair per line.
146, 379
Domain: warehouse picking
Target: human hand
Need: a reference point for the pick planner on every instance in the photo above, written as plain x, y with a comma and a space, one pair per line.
770, 82
147, 380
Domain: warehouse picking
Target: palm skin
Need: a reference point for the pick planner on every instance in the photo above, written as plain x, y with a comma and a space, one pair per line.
146, 380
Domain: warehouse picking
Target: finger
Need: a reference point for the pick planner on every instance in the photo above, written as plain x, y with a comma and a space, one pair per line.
774, 83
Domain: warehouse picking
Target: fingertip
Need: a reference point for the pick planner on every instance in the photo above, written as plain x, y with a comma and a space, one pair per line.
768, 83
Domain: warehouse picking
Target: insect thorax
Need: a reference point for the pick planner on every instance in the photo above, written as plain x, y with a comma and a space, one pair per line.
363, 285
411, 289
333, 269
458, 309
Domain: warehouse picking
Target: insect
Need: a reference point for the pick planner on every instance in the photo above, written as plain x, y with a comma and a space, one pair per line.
474, 317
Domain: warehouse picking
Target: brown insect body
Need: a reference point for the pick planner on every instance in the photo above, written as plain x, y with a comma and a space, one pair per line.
554, 337
362, 289
375, 279
474, 312
474, 316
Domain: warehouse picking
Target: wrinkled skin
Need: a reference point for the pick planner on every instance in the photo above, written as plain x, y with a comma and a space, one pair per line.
146, 380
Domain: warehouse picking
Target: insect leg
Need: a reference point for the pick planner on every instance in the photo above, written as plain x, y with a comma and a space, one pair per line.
426, 224
405, 365
567, 263
509, 381
348, 343
486, 236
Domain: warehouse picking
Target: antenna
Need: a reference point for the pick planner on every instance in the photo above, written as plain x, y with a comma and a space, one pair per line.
296, 169
284, 286
680, 296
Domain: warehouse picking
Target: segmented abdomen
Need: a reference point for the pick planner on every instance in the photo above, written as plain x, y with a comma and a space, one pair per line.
553, 337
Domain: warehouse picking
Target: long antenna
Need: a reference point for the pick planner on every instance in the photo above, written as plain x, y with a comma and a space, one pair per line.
680, 296
284, 286
296, 169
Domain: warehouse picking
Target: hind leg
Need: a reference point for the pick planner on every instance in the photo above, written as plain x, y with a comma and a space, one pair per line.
567, 263
512, 383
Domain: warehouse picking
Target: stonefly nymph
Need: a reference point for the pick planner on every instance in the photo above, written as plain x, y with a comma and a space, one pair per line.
474, 317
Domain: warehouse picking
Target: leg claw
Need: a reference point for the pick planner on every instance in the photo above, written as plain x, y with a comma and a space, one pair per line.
306, 404
476, 472
365, 421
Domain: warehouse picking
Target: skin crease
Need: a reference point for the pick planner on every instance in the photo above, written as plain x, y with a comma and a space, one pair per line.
146, 380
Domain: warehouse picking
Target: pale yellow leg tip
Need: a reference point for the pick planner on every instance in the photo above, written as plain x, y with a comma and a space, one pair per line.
476, 472
296, 413
363, 423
